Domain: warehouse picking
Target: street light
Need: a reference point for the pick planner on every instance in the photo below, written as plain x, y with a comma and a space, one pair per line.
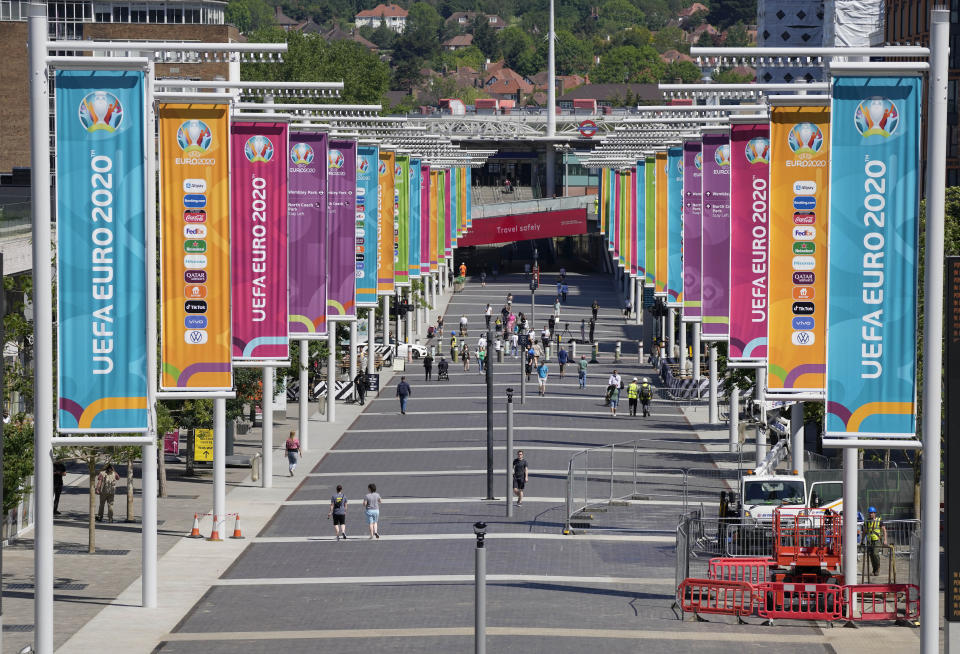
509, 491
480, 590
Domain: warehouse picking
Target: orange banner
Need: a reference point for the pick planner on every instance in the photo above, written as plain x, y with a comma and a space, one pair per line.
799, 180
195, 247
660, 182
387, 207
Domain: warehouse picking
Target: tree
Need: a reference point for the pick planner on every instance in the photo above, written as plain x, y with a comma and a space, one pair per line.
669, 38
485, 38
514, 44
730, 76
737, 36
686, 71
17, 460
383, 36
617, 15
629, 64
573, 55
726, 13
249, 15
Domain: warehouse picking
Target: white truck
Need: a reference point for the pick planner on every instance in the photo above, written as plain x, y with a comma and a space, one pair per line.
761, 494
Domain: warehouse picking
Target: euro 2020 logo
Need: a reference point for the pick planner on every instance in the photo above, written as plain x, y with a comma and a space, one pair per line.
364, 165
301, 154
101, 110
805, 138
258, 149
334, 160
194, 137
876, 117
698, 161
381, 168
721, 156
758, 150
397, 170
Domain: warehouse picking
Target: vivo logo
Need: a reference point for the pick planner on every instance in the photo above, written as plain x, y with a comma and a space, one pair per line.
804, 233
194, 186
802, 338
194, 276
805, 202
194, 201
804, 188
803, 308
803, 323
803, 278
195, 322
195, 231
195, 261
195, 336
804, 262
804, 218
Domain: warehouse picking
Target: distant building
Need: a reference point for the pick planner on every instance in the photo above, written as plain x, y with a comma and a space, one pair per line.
504, 83
283, 21
465, 19
612, 95
337, 34
458, 42
394, 16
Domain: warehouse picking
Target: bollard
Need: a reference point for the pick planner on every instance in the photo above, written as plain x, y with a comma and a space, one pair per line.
255, 467
548, 352
433, 350
573, 350
616, 353
596, 351
639, 353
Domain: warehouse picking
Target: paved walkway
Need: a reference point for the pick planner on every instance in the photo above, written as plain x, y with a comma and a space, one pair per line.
293, 588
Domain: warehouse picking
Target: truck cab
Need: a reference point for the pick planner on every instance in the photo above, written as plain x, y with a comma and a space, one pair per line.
761, 494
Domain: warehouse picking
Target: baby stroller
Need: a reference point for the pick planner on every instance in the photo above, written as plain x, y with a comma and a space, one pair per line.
431, 331
442, 371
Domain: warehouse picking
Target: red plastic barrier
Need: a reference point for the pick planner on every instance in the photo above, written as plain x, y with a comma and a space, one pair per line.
882, 601
715, 596
799, 601
752, 571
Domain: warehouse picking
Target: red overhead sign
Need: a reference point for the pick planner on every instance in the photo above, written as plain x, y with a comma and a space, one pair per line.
525, 227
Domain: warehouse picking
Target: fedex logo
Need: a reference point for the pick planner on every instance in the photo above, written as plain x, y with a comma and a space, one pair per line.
804, 233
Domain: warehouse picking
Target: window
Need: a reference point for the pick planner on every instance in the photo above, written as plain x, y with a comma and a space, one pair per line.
138, 15
156, 16
121, 14
174, 15
191, 15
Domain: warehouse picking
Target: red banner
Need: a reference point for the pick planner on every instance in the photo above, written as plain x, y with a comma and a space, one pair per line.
525, 227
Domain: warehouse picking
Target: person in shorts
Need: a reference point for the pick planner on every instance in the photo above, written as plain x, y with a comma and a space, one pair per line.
521, 475
542, 372
371, 506
338, 511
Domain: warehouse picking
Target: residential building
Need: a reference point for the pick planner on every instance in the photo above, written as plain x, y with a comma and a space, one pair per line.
504, 83
283, 21
393, 15
907, 22
337, 34
458, 42
612, 95
465, 19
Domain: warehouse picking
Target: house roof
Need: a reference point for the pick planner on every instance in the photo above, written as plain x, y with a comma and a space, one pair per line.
607, 92
470, 16
692, 9
459, 41
282, 19
308, 27
388, 11
337, 34
498, 78
671, 56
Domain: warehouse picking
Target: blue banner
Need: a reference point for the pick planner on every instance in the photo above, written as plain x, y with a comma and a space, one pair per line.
640, 218
872, 300
101, 245
675, 226
416, 179
368, 158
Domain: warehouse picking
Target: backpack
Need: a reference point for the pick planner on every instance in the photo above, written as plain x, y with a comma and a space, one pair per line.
107, 485
645, 392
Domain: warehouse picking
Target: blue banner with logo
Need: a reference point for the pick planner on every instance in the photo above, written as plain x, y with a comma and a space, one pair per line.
368, 158
675, 226
413, 251
101, 245
872, 300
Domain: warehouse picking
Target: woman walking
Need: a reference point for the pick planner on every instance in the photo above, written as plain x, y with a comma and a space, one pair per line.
465, 355
293, 451
371, 506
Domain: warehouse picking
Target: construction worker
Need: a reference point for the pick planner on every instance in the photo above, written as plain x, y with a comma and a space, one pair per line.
453, 346
633, 392
875, 535
646, 394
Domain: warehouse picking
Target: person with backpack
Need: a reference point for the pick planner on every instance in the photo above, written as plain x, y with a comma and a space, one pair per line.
633, 394
428, 367
106, 488
562, 358
338, 511
292, 446
646, 394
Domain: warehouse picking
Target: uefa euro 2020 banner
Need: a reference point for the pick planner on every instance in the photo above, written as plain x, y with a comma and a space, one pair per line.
385, 203
639, 219
632, 223
307, 230
258, 240
872, 304
195, 353
660, 184
650, 221
413, 243
341, 218
749, 240
435, 215
692, 211
675, 227
799, 188
425, 220
715, 240
101, 246
368, 156
401, 169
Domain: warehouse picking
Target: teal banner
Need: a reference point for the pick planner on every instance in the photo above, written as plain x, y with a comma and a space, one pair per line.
874, 222
675, 226
413, 252
101, 245
368, 158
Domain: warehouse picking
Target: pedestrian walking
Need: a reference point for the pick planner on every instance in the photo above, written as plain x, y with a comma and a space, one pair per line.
514, 345
542, 372
440, 325
875, 534
59, 471
487, 314
465, 355
498, 325
453, 347
583, 330
562, 358
292, 446
428, 367
559, 287
106, 488
531, 360
481, 359
371, 506
626, 309
595, 307
483, 277
633, 394
338, 511
646, 394
360, 385
403, 392
552, 323
511, 322
463, 269
521, 475
509, 300
614, 399
556, 308
504, 312
563, 292
582, 371
463, 325
545, 337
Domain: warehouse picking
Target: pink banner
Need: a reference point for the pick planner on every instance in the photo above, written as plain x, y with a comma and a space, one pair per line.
632, 221
749, 240
526, 226
448, 190
341, 217
258, 241
616, 214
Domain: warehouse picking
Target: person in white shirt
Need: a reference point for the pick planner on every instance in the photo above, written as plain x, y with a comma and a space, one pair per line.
614, 380
514, 345
487, 314
482, 341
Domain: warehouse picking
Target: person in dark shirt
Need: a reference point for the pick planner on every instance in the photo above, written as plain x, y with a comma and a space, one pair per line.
428, 367
59, 471
403, 392
521, 474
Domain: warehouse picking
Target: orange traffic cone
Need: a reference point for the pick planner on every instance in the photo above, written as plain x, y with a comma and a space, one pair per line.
236, 528
215, 532
195, 532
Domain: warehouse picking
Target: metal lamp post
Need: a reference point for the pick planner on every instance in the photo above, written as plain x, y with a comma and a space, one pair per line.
480, 590
488, 364
509, 456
